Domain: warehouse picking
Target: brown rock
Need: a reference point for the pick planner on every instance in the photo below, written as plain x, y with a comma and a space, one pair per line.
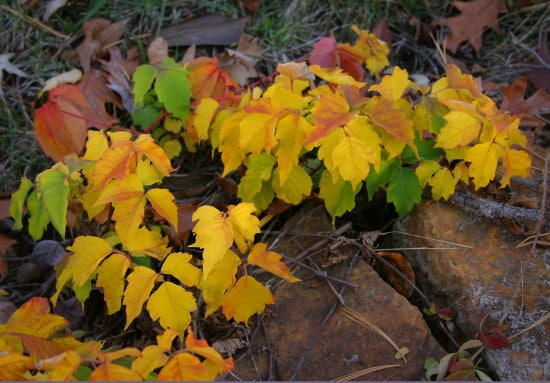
482, 279
343, 346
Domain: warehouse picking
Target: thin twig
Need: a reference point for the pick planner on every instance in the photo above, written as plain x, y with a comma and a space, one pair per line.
34, 22
539, 58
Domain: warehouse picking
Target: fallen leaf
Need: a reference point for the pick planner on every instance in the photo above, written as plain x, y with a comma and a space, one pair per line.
51, 7
513, 102
98, 34
240, 63
382, 31
476, 16
157, 51
70, 77
120, 74
94, 85
398, 261
5, 65
205, 30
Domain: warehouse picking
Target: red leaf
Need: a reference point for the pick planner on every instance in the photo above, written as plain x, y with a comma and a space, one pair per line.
59, 125
324, 53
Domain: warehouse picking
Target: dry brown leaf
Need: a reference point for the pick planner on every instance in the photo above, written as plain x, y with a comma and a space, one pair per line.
94, 85
240, 63
382, 31
98, 34
476, 16
205, 30
157, 51
541, 77
120, 74
51, 7
513, 102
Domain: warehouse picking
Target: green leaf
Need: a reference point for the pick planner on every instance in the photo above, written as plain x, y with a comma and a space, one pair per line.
173, 89
404, 190
82, 373
259, 169
262, 199
18, 201
375, 180
426, 150
339, 196
297, 185
143, 78
144, 115
53, 191
38, 220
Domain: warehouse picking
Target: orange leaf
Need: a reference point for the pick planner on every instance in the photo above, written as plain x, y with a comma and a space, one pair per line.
110, 372
270, 261
116, 162
201, 347
44, 335
59, 125
185, 367
14, 366
329, 113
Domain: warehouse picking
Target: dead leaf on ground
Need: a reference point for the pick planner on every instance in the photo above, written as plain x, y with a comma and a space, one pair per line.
70, 77
402, 264
94, 85
120, 74
98, 35
205, 30
513, 102
382, 31
541, 77
469, 26
240, 62
5, 65
157, 51
51, 7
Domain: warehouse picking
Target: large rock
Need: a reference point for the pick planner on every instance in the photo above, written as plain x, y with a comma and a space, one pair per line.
482, 280
343, 346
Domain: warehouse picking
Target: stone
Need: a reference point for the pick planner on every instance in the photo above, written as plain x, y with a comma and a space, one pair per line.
482, 280
343, 346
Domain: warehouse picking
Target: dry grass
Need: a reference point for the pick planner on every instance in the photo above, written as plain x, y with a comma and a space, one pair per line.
286, 28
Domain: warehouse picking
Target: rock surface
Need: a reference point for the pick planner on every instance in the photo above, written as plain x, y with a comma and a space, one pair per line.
343, 346
482, 279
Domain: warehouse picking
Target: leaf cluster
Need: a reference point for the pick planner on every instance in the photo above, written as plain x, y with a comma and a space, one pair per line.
315, 131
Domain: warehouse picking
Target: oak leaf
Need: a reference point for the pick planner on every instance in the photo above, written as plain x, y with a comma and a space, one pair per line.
513, 102
469, 26
246, 298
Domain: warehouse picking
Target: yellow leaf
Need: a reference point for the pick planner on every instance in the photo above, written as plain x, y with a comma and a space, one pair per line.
116, 162
297, 185
232, 154
517, 164
257, 128
291, 100
246, 298
14, 366
153, 357
201, 347
119, 136
292, 132
203, 116
244, 223
393, 86
213, 233
172, 306
177, 265
426, 170
61, 367
43, 334
172, 125
185, 367
89, 200
270, 261
163, 203
140, 284
121, 190
88, 251
460, 130
96, 145
111, 372
147, 172
111, 276
146, 145
220, 278
373, 50
443, 184
335, 76
483, 160
128, 216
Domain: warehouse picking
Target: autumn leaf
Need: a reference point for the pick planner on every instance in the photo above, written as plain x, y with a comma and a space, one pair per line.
172, 306
339, 195
270, 261
208, 79
18, 202
328, 54
43, 334
461, 129
140, 283
393, 86
469, 26
185, 367
179, 266
59, 124
111, 277
297, 185
513, 102
220, 278
335, 76
13, 366
154, 356
201, 347
61, 367
246, 298
483, 160
373, 50
404, 190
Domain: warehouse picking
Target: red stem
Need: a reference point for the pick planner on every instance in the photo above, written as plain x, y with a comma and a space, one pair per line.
159, 119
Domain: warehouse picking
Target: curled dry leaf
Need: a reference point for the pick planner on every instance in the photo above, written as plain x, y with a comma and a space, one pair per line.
51, 7
240, 63
157, 51
5, 65
70, 77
